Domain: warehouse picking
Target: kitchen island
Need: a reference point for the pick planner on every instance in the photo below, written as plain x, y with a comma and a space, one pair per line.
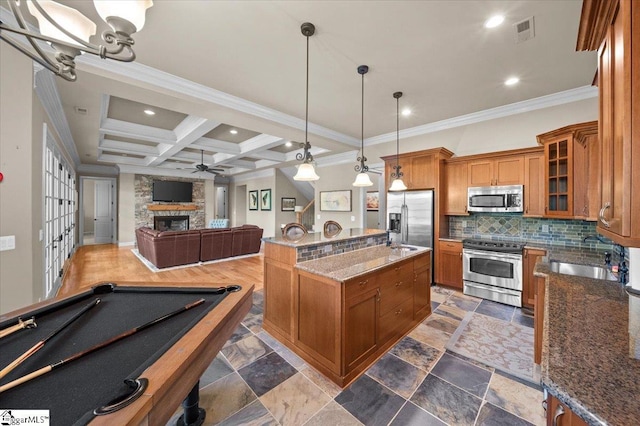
590, 348
341, 312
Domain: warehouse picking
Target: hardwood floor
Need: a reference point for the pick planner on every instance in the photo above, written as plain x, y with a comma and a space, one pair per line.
108, 262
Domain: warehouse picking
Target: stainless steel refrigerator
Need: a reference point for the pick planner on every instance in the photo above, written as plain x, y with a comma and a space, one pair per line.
410, 217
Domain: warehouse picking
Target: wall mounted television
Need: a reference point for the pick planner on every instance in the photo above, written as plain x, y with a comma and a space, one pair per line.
172, 191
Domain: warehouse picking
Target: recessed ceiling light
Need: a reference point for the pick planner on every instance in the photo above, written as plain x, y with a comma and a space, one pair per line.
233, 131
288, 144
149, 112
494, 21
406, 112
511, 81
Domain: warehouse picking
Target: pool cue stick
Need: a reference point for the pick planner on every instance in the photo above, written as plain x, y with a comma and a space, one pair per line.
101, 345
35, 348
30, 323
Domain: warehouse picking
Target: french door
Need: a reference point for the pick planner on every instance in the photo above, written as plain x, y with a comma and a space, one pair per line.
59, 214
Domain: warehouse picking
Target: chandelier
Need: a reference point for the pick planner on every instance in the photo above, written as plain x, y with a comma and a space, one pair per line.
306, 172
397, 184
68, 31
362, 178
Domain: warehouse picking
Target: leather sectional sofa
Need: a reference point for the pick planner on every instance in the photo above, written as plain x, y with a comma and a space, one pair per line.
173, 248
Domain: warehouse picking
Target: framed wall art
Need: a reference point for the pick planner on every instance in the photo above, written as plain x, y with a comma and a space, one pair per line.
335, 201
288, 204
253, 200
265, 199
373, 201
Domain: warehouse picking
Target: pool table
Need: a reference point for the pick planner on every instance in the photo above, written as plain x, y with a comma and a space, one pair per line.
170, 355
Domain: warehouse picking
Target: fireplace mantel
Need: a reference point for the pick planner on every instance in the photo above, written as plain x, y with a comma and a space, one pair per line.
167, 207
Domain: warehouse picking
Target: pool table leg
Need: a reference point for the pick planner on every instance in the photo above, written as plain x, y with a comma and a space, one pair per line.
193, 415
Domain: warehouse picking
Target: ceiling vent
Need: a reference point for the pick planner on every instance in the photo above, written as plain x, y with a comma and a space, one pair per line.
80, 110
525, 30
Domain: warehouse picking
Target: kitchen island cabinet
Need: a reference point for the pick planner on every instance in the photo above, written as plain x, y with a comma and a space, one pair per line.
347, 310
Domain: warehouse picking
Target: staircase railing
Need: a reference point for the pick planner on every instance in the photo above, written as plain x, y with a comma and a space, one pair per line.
305, 217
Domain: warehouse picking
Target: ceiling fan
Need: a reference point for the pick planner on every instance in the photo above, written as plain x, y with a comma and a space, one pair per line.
204, 168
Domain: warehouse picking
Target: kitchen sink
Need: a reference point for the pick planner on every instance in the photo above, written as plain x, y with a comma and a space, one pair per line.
597, 272
408, 248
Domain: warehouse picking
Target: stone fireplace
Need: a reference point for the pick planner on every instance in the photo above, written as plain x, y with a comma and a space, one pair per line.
171, 223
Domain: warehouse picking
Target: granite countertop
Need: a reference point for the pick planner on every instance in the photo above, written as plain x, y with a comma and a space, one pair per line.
318, 237
342, 267
586, 348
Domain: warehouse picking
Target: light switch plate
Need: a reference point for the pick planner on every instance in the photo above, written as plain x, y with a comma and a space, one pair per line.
8, 242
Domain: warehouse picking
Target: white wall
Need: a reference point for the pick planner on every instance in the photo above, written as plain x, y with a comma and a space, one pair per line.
88, 205
266, 219
126, 208
284, 188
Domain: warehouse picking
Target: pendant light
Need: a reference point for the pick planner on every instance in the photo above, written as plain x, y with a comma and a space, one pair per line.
397, 184
362, 178
306, 171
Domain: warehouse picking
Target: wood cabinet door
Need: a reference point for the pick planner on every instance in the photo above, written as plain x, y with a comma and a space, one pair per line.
509, 170
423, 172
455, 194
449, 270
534, 185
558, 186
528, 279
614, 64
361, 327
594, 178
421, 293
278, 300
481, 173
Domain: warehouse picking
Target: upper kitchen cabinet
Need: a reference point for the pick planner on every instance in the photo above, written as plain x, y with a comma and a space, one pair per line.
420, 169
567, 178
613, 28
455, 188
497, 171
534, 184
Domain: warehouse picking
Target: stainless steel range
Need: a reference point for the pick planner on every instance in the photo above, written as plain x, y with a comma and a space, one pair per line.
493, 270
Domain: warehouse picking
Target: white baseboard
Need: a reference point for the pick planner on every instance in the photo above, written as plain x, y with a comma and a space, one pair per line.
126, 243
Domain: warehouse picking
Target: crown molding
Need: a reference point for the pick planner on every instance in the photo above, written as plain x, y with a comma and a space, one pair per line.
148, 76
335, 159
560, 98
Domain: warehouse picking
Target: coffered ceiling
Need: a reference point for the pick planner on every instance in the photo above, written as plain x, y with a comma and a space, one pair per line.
208, 67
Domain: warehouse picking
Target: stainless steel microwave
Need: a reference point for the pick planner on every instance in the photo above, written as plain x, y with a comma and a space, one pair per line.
496, 198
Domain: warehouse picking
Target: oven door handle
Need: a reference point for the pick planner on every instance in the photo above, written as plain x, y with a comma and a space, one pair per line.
490, 287
492, 255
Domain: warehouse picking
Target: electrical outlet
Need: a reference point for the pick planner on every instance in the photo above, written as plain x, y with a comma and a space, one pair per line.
318, 217
327, 248
353, 218
545, 228
40, 235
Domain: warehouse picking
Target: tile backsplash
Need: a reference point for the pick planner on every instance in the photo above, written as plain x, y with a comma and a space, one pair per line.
568, 233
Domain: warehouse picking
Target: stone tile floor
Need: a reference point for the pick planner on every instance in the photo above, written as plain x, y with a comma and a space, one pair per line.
255, 380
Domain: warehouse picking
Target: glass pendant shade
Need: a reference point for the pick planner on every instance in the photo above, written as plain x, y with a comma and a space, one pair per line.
397, 185
362, 179
68, 18
131, 11
306, 172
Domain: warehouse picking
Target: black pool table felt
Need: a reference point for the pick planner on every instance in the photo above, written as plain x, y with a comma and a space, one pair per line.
71, 392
